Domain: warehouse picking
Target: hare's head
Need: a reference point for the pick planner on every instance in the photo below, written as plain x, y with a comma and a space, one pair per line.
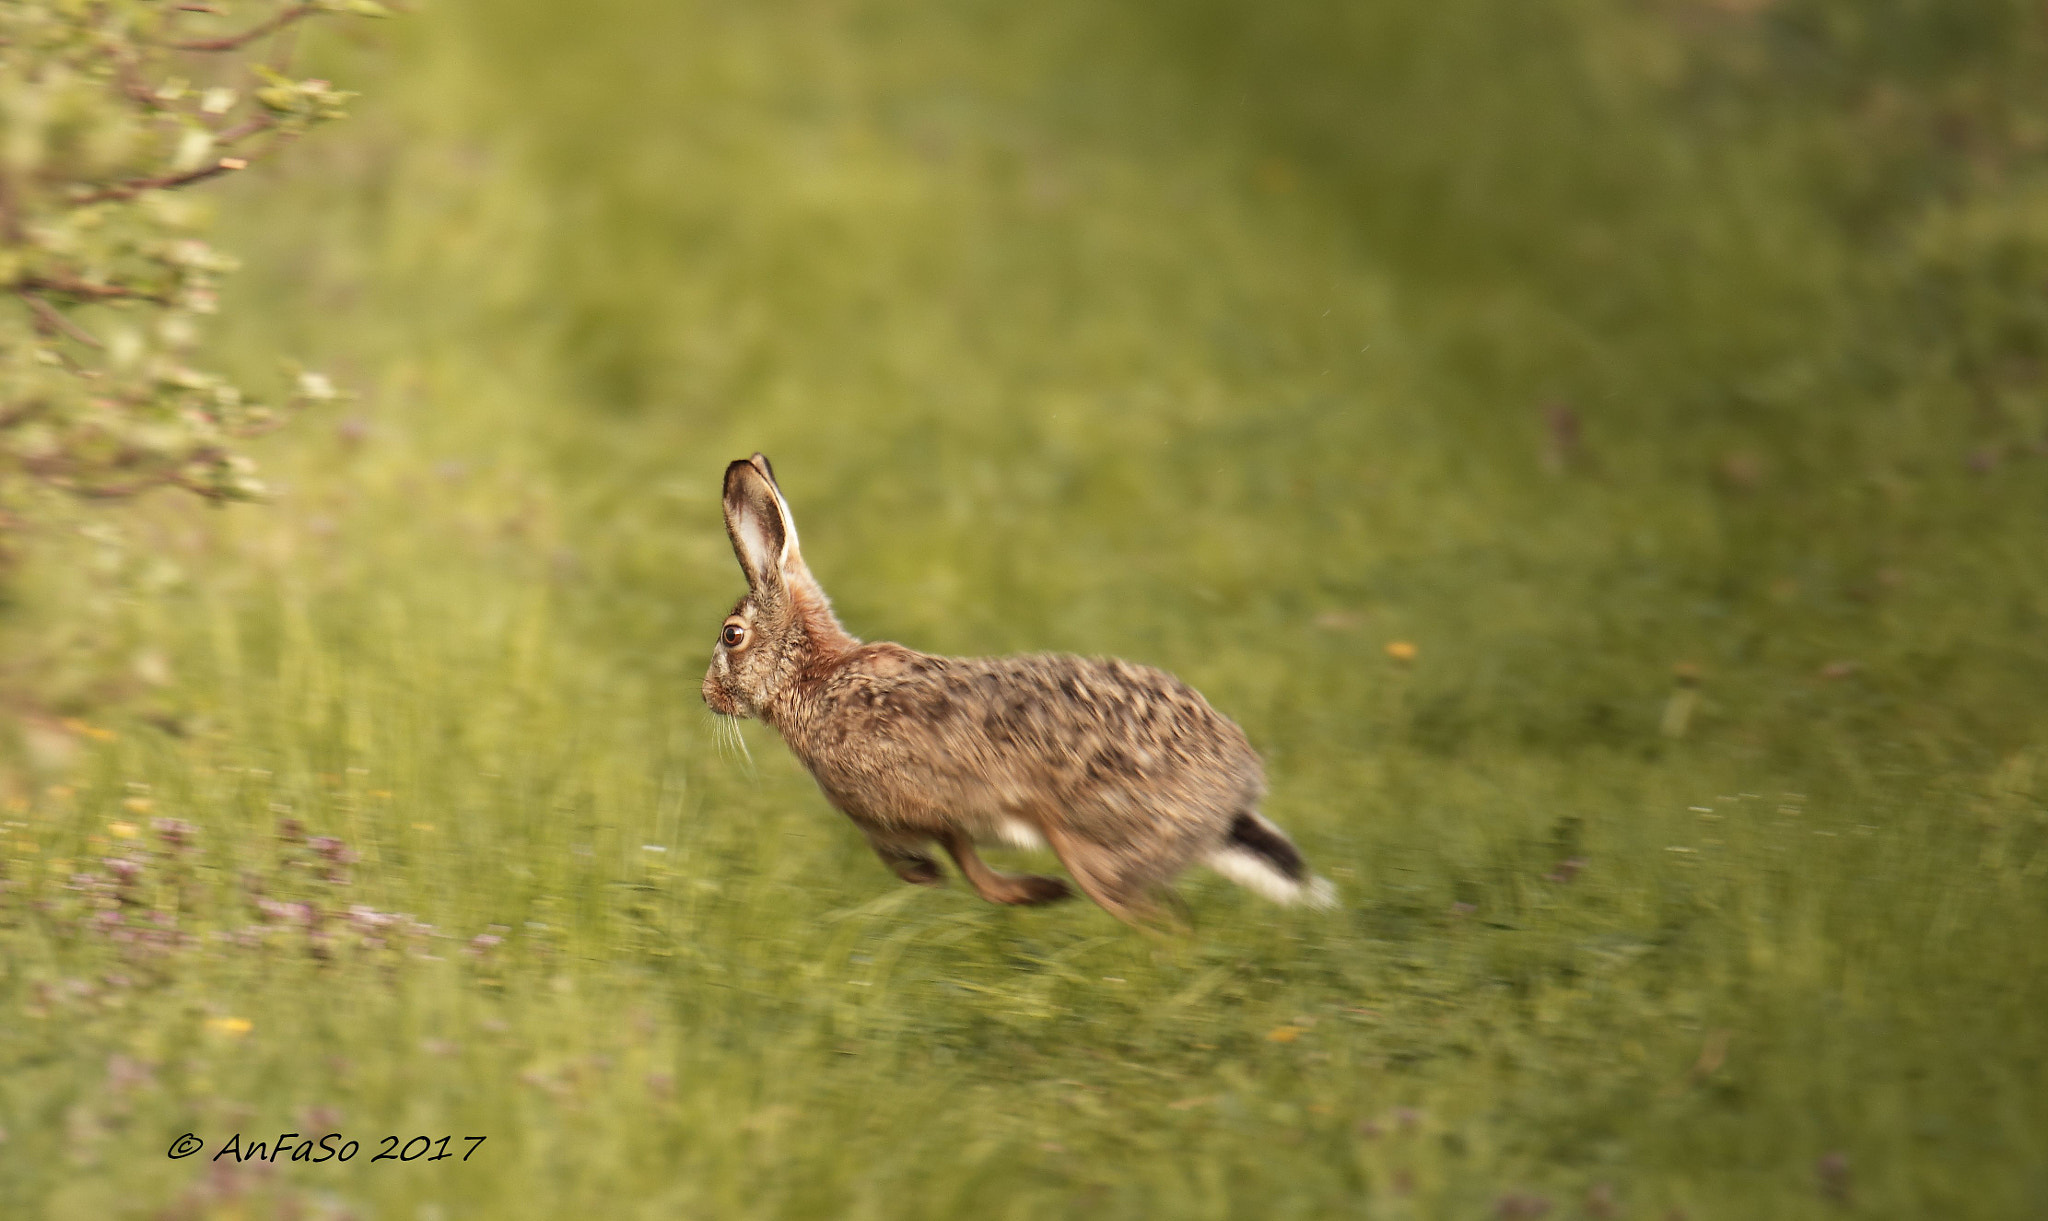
785, 622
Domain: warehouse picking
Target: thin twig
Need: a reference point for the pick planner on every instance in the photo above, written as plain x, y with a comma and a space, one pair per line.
53, 318
262, 28
243, 130
136, 186
90, 292
248, 432
64, 475
133, 86
281, 51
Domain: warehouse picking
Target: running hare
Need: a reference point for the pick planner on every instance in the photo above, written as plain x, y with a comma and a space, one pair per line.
1124, 771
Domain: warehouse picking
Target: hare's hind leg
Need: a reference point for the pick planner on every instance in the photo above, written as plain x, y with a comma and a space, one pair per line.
1024, 889
907, 857
1095, 870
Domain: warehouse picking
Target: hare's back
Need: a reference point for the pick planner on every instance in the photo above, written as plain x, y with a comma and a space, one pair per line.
1105, 726
1106, 745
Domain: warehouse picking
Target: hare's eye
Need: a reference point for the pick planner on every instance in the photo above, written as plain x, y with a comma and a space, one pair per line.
732, 635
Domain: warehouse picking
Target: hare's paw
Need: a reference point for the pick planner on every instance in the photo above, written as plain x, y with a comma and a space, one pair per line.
1034, 890
905, 857
918, 870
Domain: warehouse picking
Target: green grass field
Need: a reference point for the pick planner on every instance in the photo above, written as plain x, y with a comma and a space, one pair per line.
1671, 376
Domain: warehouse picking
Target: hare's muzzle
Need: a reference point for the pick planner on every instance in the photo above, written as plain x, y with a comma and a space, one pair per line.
719, 701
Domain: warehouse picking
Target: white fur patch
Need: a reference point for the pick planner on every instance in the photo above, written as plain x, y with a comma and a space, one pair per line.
1020, 834
753, 536
1255, 872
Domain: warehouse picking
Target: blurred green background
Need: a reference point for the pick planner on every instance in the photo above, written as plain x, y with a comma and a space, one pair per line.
1663, 379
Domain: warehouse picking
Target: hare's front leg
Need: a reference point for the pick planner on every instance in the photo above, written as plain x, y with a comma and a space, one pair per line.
1027, 889
907, 857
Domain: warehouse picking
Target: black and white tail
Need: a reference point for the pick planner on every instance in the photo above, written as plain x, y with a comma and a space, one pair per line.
1258, 855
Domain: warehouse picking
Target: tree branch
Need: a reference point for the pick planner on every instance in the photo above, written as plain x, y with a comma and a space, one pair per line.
261, 29
136, 186
242, 131
89, 292
51, 318
128, 76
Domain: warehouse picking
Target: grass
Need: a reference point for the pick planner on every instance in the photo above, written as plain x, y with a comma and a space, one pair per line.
1668, 375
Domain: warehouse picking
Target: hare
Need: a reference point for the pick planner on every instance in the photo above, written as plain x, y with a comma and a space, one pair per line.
1125, 772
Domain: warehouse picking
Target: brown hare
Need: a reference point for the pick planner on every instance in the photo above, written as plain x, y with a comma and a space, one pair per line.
1125, 772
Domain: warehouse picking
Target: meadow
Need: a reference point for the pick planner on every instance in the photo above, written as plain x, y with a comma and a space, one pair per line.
1596, 448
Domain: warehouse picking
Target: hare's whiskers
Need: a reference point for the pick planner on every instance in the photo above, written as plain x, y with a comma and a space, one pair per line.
740, 740
725, 731
718, 729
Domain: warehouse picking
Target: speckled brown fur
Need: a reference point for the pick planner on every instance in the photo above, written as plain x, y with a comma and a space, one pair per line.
1124, 771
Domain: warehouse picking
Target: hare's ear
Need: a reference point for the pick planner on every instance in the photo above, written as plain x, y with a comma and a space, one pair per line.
755, 517
791, 551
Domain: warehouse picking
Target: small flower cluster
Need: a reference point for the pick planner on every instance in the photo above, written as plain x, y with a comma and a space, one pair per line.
152, 897
122, 901
328, 927
328, 931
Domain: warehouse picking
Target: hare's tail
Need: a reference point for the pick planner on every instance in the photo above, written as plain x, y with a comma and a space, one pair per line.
1258, 855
